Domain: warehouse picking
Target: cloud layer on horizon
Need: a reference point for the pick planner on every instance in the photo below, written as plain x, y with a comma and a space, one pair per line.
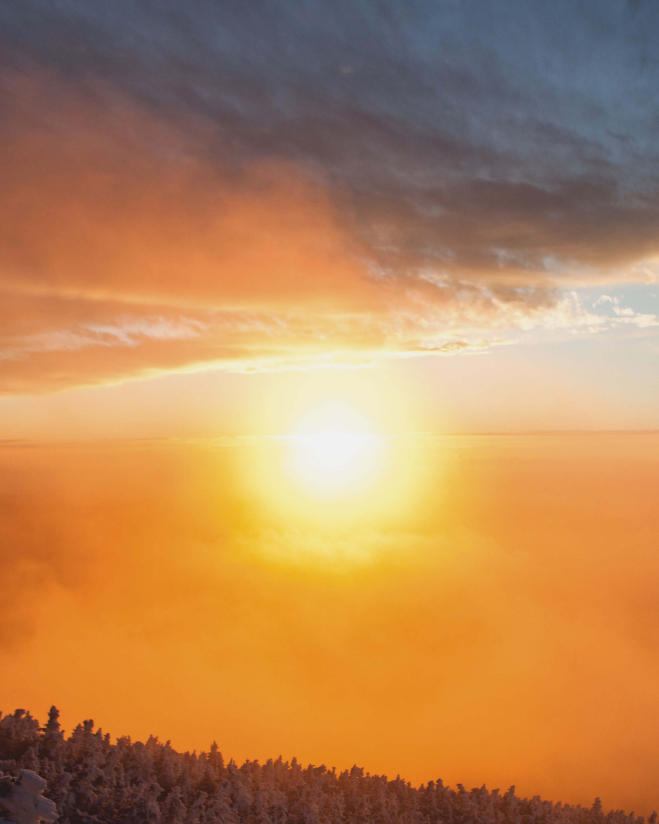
497, 625
197, 184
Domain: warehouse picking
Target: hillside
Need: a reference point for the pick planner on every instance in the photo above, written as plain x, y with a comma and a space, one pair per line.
93, 781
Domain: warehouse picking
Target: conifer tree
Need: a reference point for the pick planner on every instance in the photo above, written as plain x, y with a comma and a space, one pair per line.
91, 780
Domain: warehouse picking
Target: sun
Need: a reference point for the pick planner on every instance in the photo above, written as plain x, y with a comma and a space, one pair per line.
333, 450
332, 460
332, 470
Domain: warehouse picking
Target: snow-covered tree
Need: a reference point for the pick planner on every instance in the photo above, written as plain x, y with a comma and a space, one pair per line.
22, 801
90, 780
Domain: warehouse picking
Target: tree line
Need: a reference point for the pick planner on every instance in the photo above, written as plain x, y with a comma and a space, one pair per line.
94, 781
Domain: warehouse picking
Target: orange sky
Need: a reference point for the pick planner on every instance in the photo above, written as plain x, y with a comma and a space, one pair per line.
483, 612
153, 286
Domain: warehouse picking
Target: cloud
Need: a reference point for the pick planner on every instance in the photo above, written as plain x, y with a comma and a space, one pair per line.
170, 168
143, 576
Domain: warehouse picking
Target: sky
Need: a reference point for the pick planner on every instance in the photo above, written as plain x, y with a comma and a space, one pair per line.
329, 336
246, 188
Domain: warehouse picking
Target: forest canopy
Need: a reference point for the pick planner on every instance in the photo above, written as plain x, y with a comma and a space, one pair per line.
94, 781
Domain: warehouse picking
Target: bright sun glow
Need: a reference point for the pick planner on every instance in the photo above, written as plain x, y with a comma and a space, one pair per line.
333, 472
333, 450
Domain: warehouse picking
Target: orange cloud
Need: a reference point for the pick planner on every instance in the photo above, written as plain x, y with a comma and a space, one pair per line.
103, 201
495, 627
132, 243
